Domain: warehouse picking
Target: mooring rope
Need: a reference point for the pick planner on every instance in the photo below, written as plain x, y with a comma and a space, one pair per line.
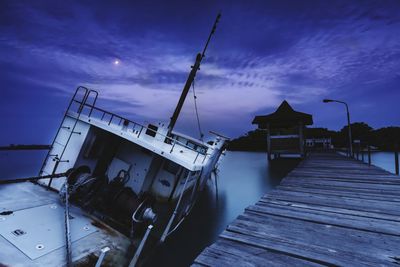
67, 226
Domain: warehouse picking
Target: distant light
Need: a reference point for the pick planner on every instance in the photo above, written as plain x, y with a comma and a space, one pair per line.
116, 62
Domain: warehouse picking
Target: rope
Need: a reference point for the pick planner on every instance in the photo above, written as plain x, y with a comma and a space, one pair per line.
216, 175
197, 112
67, 226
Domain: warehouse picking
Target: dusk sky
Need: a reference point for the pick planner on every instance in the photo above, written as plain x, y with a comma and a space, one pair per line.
262, 53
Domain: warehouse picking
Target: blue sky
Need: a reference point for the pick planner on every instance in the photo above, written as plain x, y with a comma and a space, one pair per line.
262, 53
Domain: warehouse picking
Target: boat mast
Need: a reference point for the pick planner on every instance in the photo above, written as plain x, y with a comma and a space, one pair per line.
190, 79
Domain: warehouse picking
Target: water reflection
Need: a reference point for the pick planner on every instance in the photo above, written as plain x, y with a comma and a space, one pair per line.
244, 177
384, 160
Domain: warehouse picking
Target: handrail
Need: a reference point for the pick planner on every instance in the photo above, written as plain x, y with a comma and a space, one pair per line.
62, 122
357, 156
94, 101
113, 115
81, 106
138, 124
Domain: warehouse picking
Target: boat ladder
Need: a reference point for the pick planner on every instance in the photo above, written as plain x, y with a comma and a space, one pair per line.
81, 96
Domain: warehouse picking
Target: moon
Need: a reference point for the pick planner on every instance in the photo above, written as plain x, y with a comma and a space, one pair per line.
116, 62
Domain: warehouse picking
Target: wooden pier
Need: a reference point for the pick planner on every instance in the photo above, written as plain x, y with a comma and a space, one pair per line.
329, 211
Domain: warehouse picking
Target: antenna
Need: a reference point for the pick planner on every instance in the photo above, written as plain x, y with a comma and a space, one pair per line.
211, 33
190, 79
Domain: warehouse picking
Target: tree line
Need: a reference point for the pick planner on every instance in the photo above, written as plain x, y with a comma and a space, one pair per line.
385, 139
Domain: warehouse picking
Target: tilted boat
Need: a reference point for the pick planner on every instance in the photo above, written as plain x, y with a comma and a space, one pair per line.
109, 190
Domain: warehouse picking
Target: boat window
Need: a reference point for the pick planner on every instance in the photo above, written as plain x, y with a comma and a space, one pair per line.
180, 139
191, 145
171, 167
151, 130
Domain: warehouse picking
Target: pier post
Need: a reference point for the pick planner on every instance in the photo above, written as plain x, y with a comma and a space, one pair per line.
396, 159
269, 143
369, 155
301, 140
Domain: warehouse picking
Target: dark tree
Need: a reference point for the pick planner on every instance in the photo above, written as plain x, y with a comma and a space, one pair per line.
387, 138
384, 138
359, 130
252, 141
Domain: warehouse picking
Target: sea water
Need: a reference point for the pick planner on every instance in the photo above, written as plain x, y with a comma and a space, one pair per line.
244, 177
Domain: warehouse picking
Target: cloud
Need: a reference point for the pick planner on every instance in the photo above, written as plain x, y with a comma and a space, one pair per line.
260, 55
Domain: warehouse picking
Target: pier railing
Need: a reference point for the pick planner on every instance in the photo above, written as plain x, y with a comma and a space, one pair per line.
364, 155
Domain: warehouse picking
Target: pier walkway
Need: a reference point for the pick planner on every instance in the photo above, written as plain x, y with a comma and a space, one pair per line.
328, 211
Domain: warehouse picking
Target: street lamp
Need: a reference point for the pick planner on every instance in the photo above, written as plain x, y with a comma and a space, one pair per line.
348, 121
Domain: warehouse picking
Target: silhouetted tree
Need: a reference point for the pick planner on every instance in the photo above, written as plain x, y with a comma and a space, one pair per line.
252, 141
386, 138
318, 133
359, 130
383, 138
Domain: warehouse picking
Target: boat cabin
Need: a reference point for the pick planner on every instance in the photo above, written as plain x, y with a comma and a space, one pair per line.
111, 145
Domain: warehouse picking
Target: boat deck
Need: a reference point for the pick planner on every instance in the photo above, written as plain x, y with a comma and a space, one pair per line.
329, 211
32, 231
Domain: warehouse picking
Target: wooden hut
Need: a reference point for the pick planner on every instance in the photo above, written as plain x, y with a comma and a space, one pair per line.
285, 130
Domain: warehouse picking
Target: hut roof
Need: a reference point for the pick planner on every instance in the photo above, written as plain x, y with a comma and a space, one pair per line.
284, 116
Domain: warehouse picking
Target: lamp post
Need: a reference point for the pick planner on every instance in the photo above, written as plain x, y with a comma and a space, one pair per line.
348, 122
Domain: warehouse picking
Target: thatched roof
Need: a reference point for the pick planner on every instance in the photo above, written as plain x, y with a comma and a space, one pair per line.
284, 116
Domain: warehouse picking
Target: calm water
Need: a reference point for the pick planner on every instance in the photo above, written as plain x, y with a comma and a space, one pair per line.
244, 177
385, 160
23, 163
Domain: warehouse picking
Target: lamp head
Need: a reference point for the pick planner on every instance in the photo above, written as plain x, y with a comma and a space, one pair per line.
327, 100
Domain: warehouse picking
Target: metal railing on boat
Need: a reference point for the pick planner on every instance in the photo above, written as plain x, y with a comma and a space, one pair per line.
135, 127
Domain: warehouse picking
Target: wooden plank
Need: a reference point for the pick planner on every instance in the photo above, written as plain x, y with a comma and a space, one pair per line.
340, 169
319, 175
341, 192
324, 235
330, 210
227, 252
344, 165
388, 188
348, 190
316, 254
395, 185
385, 207
334, 196
329, 237
333, 210
369, 224
347, 180
327, 169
